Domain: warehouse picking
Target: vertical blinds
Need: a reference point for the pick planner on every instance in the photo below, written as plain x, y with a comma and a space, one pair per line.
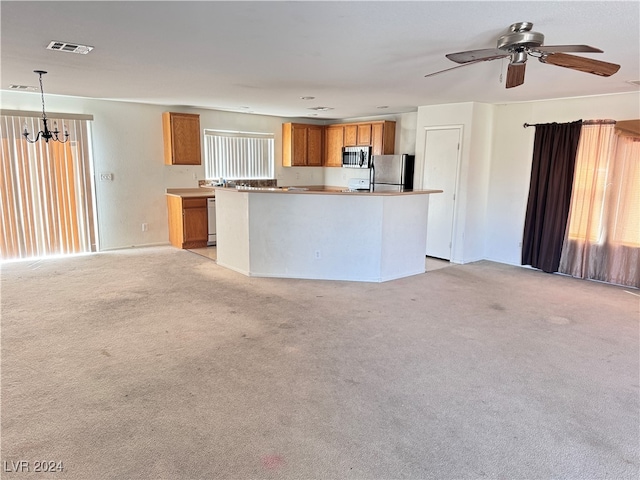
235, 155
46, 199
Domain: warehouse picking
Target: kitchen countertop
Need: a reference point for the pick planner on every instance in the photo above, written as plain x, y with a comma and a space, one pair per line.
322, 189
208, 192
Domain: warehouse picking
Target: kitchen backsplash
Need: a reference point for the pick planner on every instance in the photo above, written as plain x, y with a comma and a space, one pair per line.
249, 183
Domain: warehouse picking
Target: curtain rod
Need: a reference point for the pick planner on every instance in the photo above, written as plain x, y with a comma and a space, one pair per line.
584, 122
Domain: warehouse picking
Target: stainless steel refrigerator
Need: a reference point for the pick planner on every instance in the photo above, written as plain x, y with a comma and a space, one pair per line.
392, 172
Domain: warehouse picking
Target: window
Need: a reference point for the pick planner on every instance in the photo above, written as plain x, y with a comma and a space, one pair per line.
238, 155
603, 241
605, 202
46, 201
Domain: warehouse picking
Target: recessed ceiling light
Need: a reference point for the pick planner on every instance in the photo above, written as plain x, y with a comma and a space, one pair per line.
245, 108
312, 114
69, 47
321, 109
383, 106
307, 98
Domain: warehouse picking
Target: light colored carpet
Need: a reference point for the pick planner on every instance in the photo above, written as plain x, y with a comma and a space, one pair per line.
159, 364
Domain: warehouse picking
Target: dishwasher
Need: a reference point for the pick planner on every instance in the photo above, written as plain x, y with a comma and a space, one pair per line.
211, 221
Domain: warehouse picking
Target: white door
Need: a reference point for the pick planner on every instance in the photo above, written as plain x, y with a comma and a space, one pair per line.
441, 159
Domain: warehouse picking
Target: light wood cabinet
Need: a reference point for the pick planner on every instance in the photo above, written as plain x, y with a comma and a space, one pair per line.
383, 138
302, 145
315, 145
181, 133
187, 221
334, 141
380, 136
364, 134
350, 135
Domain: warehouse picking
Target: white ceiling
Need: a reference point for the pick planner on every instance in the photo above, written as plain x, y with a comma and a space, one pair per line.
351, 56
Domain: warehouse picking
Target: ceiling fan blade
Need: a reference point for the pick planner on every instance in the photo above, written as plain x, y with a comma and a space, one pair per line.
515, 74
474, 55
566, 48
459, 66
587, 65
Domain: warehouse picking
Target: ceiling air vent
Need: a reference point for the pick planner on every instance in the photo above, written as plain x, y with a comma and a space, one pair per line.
23, 88
69, 47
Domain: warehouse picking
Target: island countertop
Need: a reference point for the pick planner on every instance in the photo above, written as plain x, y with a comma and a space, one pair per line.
323, 233
323, 189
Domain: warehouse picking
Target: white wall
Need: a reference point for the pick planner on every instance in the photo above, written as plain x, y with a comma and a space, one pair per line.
496, 165
127, 142
494, 181
476, 121
512, 152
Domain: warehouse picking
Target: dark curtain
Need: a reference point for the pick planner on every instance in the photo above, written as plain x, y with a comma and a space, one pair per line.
554, 156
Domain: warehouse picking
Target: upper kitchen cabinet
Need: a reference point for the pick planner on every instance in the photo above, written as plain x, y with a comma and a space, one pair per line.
357, 134
383, 138
364, 134
302, 145
181, 138
333, 141
379, 135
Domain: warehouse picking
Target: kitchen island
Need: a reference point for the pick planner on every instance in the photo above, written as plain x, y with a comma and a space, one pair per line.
322, 233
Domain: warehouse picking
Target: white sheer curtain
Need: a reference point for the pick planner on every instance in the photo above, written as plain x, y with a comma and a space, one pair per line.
603, 233
46, 197
235, 155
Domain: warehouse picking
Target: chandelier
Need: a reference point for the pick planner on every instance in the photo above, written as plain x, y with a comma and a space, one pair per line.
46, 134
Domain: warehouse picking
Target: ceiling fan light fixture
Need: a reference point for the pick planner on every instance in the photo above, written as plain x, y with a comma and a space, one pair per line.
519, 57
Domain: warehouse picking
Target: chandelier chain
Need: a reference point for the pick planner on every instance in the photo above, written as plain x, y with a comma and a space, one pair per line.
44, 115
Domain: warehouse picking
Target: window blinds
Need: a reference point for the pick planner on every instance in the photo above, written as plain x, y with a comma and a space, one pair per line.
46, 199
238, 155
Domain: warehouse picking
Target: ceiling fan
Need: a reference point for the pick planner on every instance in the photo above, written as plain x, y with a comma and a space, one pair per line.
519, 43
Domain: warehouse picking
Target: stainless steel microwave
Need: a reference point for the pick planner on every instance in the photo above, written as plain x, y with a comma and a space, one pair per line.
356, 157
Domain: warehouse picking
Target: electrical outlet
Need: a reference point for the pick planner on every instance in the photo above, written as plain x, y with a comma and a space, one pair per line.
145, 227
104, 177
317, 255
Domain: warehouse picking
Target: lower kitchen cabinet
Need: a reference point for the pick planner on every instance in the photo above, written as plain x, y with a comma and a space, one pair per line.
187, 221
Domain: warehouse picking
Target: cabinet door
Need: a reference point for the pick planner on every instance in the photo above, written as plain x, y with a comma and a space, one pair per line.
383, 138
350, 135
298, 145
364, 134
181, 138
376, 139
334, 141
314, 146
194, 222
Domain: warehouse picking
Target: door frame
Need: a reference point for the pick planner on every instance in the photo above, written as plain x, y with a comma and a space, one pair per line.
454, 220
